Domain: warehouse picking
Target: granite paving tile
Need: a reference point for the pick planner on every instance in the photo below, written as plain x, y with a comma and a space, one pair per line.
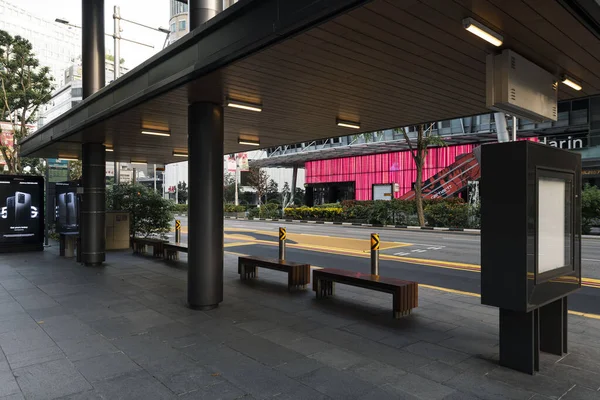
136, 386
50, 380
338, 358
8, 384
336, 384
36, 356
88, 347
106, 366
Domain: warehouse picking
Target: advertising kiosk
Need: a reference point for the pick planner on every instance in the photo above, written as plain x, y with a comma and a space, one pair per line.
530, 246
21, 213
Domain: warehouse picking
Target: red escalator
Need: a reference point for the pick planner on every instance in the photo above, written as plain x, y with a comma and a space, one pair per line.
452, 179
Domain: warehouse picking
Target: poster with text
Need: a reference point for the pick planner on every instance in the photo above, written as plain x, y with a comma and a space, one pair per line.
21, 210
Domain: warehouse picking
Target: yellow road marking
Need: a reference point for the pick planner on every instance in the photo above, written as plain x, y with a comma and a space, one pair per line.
471, 294
234, 244
321, 246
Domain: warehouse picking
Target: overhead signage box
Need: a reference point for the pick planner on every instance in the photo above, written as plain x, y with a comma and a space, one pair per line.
517, 86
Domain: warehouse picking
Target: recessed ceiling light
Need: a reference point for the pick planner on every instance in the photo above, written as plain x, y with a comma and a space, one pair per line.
249, 142
68, 158
109, 149
244, 105
138, 162
347, 124
180, 154
156, 133
570, 82
483, 31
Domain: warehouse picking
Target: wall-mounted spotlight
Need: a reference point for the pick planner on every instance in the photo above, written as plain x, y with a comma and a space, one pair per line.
567, 80
244, 105
483, 31
249, 142
347, 124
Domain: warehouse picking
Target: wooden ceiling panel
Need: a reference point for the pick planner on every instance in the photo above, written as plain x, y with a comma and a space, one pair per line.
389, 63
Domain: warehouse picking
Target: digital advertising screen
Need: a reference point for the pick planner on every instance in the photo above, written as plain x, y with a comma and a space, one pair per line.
66, 210
21, 211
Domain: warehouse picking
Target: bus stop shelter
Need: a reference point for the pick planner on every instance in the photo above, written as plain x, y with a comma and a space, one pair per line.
269, 72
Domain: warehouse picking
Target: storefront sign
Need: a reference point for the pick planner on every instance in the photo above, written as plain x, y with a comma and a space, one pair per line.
566, 142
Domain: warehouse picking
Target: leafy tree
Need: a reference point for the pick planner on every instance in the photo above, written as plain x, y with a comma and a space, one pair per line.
24, 87
151, 214
110, 57
182, 192
590, 207
228, 188
258, 180
299, 197
419, 150
75, 170
272, 190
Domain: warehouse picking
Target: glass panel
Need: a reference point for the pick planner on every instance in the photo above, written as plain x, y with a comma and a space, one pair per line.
554, 224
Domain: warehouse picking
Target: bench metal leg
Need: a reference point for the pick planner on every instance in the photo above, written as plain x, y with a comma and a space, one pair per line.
324, 288
247, 271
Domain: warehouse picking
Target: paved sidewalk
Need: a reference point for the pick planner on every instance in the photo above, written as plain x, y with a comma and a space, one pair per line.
123, 332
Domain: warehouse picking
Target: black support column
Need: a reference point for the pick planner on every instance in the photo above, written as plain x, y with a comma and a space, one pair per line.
93, 204
205, 214
92, 44
200, 11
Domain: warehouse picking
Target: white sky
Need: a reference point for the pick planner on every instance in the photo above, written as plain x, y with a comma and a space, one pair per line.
153, 13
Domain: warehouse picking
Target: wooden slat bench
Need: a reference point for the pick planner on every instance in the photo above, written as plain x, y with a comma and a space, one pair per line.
406, 293
298, 274
172, 250
139, 246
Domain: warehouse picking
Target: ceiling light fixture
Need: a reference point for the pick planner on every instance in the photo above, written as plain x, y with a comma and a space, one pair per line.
68, 158
570, 82
179, 154
483, 31
249, 142
156, 133
138, 162
109, 149
347, 124
244, 105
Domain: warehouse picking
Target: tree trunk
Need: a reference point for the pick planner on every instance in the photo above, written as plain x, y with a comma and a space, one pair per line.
418, 193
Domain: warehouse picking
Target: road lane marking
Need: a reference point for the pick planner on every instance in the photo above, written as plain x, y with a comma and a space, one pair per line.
587, 282
589, 259
418, 251
471, 294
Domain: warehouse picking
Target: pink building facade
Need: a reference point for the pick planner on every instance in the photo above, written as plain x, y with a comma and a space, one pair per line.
365, 171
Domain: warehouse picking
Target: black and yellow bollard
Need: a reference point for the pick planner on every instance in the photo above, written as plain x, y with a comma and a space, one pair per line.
177, 231
375, 254
282, 239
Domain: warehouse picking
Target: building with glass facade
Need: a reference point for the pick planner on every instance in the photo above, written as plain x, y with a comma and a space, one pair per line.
55, 45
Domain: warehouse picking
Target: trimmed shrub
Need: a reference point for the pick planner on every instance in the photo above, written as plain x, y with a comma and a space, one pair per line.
232, 208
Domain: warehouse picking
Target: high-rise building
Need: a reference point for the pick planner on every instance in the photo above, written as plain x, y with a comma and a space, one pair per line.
55, 45
178, 19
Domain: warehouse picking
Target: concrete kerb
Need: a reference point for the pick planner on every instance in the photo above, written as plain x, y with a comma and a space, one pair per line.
397, 227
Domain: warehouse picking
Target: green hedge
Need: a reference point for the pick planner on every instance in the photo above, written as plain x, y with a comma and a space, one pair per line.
269, 210
450, 213
232, 208
180, 208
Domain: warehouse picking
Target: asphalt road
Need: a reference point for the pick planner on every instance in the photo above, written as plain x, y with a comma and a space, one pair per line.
440, 259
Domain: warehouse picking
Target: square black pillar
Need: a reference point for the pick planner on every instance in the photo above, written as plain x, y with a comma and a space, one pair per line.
519, 340
553, 327
205, 214
93, 204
